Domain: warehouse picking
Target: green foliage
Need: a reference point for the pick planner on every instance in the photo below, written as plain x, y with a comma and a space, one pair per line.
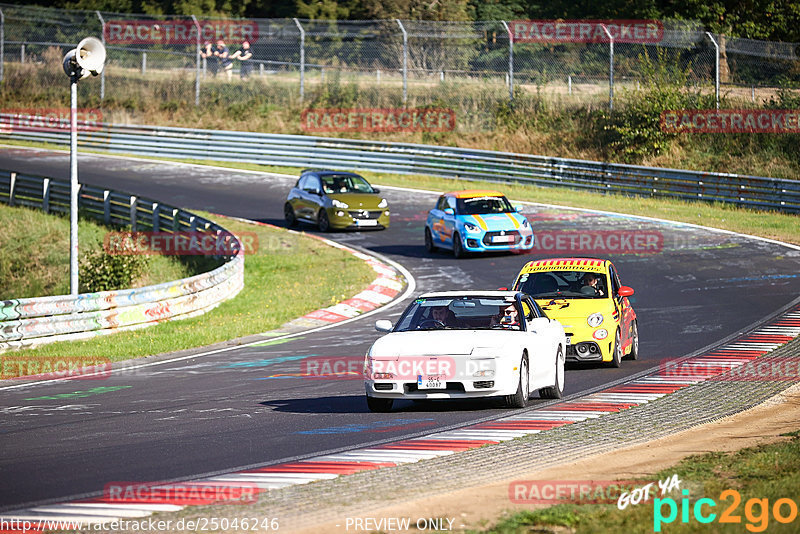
634, 132
101, 271
336, 94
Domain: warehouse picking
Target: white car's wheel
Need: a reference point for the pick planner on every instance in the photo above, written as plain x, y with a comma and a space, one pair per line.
520, 398
557, 390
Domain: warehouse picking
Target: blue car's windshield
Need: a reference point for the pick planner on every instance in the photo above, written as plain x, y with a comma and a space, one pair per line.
483, 205
460, 313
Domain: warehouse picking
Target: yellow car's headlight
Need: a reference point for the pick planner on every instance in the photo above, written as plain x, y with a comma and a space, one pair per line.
595, 320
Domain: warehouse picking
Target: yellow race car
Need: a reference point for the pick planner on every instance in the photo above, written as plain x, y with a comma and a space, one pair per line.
586, 296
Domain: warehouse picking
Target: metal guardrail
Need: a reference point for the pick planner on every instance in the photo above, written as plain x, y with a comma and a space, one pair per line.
35, 321
404, 158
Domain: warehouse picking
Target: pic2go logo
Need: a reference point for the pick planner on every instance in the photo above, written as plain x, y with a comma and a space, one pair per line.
756, 511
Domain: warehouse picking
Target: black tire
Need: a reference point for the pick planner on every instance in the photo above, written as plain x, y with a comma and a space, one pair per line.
634, 354
520, 398
458, 249
616, 356
289, 216
323, 223
429, 246
557, 390
379, 405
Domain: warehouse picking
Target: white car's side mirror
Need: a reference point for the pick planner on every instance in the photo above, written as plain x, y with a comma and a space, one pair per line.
383, 325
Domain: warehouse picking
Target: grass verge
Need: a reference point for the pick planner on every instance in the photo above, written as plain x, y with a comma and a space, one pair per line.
761, 475
34, 254
288, 276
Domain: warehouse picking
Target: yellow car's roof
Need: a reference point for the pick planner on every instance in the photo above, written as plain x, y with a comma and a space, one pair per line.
566, 264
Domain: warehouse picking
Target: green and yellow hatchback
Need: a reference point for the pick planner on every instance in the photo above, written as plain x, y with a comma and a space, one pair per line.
335, 200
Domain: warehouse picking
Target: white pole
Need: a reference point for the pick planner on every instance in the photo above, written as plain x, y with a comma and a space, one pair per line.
610, 68
510, 61
102, 40
716, 68
73, 191
405, 60
569, 83
196, 63
302, 59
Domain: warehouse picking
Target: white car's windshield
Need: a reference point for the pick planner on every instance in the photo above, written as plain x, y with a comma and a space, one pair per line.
460, 313
563, 284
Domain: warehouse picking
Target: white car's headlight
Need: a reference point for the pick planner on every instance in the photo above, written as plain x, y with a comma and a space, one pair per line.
383, 203
600, 334
339, 204
595, 320
471, 228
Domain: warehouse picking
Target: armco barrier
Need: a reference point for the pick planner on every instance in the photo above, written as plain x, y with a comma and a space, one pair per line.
34, 321
403, 158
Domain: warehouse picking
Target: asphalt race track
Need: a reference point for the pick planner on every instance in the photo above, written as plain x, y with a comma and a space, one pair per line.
227, 410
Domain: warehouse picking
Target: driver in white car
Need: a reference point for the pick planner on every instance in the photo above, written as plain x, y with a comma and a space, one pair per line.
444, 315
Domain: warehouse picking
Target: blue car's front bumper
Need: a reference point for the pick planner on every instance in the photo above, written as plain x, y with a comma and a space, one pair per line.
486, 241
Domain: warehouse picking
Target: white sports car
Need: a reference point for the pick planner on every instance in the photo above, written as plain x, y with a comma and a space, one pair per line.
467, 344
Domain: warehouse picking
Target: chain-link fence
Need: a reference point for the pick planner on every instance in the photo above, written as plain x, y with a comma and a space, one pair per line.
382, 61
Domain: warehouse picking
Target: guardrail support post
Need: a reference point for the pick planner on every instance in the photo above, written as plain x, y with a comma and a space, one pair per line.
12, 187
102, 40
107, 206
510, 60
610, 68
197, 63
405, 61
176, 223
302, 59
716, 67
134, 205
192, 224
46, 195
156, 223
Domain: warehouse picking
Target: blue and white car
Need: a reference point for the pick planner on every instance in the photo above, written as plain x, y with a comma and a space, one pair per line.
476, 221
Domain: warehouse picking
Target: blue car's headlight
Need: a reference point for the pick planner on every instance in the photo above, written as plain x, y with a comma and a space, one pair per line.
471, 228
525, 223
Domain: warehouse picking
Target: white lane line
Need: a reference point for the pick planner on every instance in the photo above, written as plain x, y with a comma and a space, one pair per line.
129, 506
92, 512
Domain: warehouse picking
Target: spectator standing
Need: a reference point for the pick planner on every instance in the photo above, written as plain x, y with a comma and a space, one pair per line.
244, 55
225, 60
212, 62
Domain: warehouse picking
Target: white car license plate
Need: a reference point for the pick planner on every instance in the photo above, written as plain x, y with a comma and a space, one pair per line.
431, 382
503, 239
366, 222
